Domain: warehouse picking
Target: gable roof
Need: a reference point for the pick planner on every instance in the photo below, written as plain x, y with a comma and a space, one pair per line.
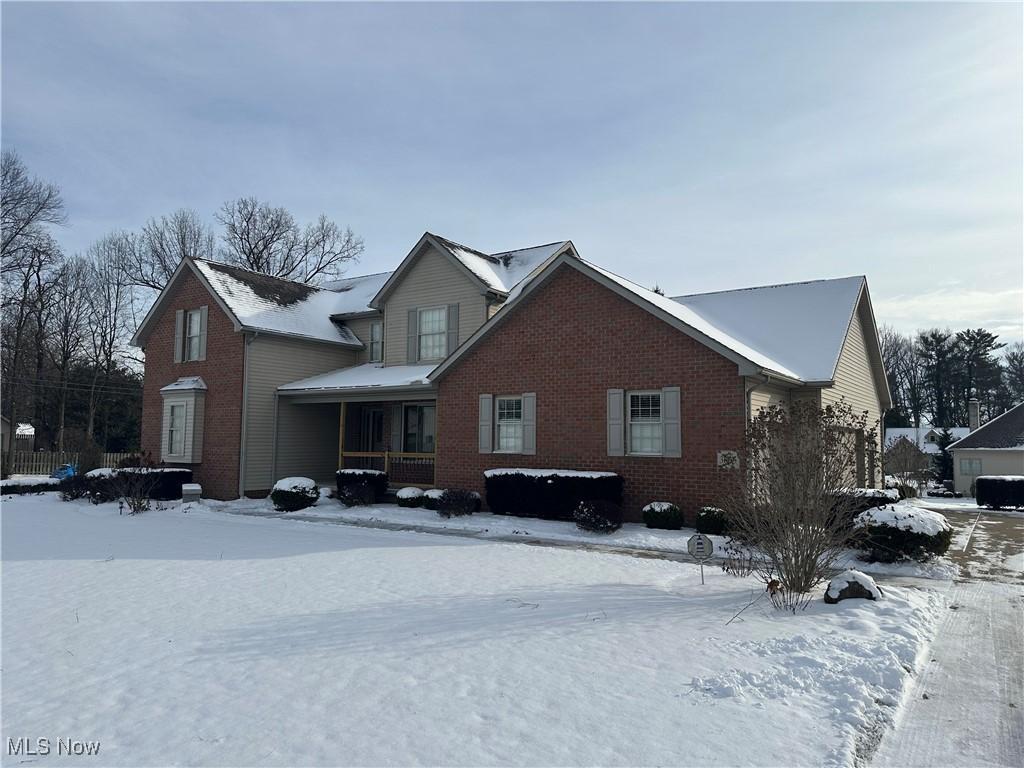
1005, 431
728, 321
497, 273
356, 293
257, 302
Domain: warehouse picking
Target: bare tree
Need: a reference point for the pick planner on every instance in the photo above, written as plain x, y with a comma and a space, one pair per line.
907, 463
268, 240
21, 311
152, 254
27, 205
66, 319
108, 312
789, 497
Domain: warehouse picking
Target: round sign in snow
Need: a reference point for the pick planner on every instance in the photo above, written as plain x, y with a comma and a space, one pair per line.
700, 546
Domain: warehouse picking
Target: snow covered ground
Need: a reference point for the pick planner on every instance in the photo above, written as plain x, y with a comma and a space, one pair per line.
203, 638
29, 480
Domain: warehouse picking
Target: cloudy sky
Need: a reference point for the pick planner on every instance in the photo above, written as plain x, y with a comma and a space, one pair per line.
699, 147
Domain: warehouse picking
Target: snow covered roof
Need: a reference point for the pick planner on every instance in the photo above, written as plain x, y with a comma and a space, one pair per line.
923, 437
798, 328
367, 376
1005, 431
504, 270
185, 383
263, 303
355, 293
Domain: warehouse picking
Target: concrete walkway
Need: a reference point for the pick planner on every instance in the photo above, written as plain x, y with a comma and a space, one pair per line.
967, 706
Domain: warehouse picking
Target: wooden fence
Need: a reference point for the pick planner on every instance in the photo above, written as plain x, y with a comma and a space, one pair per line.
44, 462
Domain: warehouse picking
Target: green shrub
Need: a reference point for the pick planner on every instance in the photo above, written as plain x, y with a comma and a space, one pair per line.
712, 521
999, 491
664, 515
896, 533
357, 495
598, 516
374, 478
455, 502
551, 494
294, 493
409, 497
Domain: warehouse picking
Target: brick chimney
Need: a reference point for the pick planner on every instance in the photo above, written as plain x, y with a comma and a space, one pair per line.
973, 415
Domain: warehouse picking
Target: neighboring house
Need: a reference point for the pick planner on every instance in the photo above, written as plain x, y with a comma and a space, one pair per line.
924, 438
994, 448
460, 361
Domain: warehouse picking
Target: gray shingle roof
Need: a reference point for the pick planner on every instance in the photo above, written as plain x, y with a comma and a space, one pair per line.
1006, 431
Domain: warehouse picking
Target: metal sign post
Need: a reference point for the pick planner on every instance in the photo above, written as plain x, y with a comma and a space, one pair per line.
701, 548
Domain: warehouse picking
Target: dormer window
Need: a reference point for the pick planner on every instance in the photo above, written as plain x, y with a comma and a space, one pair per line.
376, 342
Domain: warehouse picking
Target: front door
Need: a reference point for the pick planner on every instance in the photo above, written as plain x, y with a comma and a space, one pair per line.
371, 433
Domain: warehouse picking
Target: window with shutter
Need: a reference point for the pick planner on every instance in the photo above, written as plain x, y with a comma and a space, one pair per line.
508, 422
644, 423
433, 333
193, 334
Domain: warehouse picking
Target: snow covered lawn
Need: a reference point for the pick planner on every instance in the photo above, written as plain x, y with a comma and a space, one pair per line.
203, 638
29, 480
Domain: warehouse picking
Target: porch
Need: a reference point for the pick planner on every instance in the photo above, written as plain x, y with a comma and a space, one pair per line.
365, 417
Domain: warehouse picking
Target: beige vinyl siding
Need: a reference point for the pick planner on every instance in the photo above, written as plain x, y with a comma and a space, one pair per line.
307, 440
854, 379
1005, 461
271, 362
432, 280
360, 326
766, 395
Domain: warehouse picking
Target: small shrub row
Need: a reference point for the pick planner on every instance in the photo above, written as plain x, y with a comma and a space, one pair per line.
999, 491
105, 485
410, 497
22, 488
712, 521
550, 494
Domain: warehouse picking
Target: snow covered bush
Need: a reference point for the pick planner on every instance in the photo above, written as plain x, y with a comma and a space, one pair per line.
997, 491
550, 494
788, 497
598, 516
899, 532
852, 584
455, 502
432, 498
664, 515
23, 485
711, 520
853, 501
293, 493
374, 478
74, 487
410, 497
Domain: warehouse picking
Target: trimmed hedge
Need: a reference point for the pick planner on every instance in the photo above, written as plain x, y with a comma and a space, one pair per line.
550, 496
663, 515
432, 499
21, 488
999, 491
455, 502
598, 516
712, 520
291, 497
409, 497
357, 495
919, 534
377, 480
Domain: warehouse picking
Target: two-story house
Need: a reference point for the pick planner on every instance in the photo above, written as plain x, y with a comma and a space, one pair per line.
460, 361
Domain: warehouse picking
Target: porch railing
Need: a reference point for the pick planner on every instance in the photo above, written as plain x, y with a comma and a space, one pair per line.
402, 467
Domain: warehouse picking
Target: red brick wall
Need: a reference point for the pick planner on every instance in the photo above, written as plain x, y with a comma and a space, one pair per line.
222, 371
570, 342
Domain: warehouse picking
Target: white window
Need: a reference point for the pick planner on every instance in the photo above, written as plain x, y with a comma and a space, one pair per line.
376, 342
509, 425
644, 423
970, 467
433, 333
193, 320
176, 430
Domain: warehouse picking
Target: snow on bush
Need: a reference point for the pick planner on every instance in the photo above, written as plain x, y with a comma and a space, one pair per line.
293, 493
852, 583
551, 494
374, 479
898, 532
455, 502
664, 515
432, 498
711, 520
410, 497
598, 516
101, 472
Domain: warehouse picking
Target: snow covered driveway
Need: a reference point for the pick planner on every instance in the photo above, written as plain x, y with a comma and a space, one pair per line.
212, 639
